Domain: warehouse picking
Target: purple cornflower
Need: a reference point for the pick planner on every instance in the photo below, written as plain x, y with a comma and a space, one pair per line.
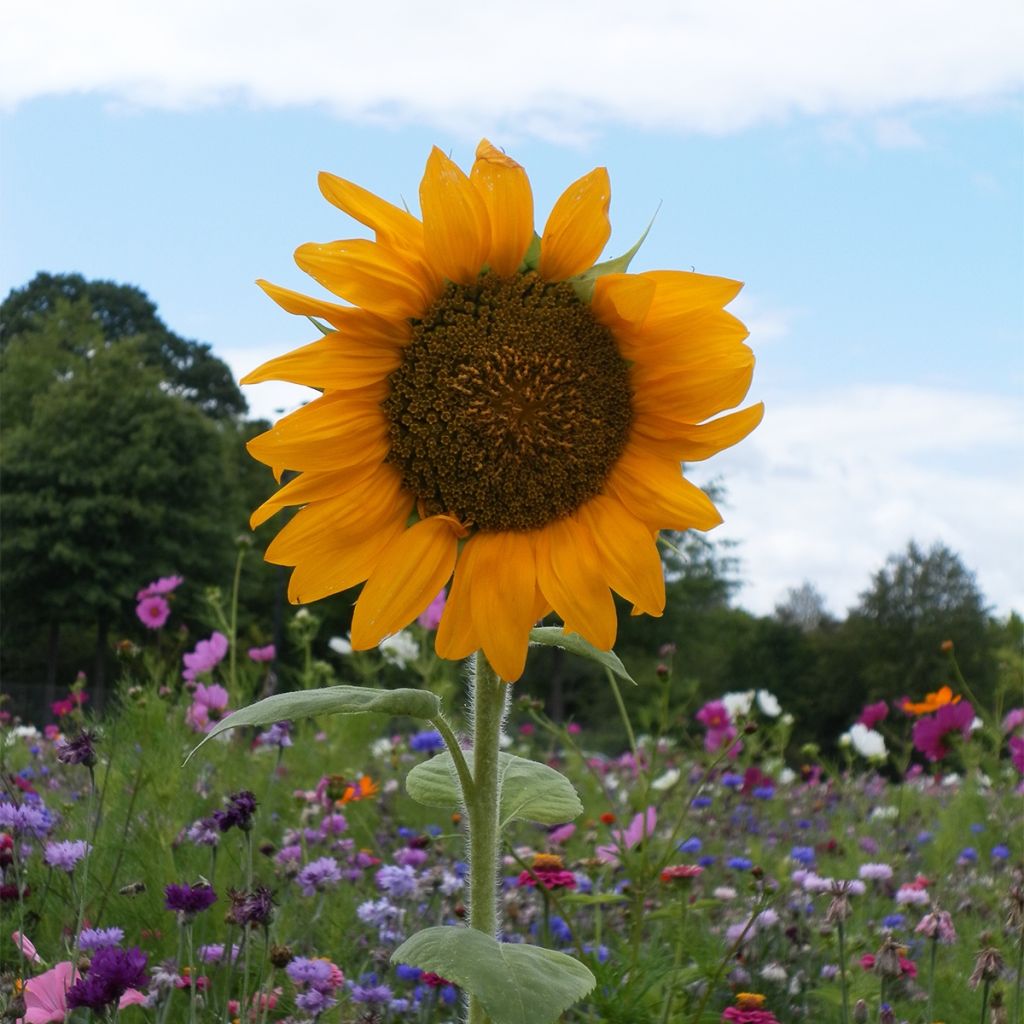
318, 875
739, 863
33, 819
241, 807
204, 832
189, 900
254, 908
306, 971
803, 854
278, 735
397, 882
66, 854
78, 751
875, 872
215, 952
314, 1001
111, 973
100, 938
368, 991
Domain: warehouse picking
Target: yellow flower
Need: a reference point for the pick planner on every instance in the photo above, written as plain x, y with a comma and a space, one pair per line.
750, 1000
495, 407
932, 702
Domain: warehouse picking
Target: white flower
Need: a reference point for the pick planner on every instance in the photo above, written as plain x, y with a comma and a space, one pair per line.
951, 779
340, 645
505, 741
769, 704
845, 740
666, 780
976, 724
774, 972
787, 777
724, 892
787, 719
889, 813
867, 742
738, 703
400, 648
381, 748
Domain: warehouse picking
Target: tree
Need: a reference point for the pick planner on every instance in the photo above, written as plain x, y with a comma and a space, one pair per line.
188, 368
917, 600
804, 607
108, 481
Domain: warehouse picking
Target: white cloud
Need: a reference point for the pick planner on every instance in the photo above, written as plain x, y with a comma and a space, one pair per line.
830, 485
539, 67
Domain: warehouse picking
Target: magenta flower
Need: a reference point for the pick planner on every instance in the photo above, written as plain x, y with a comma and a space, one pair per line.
153, 612
431, 618
206, 657
714, 715
208, 706
872, 714
930, 732
1013, 720
164, 585
1017, 752
268, 653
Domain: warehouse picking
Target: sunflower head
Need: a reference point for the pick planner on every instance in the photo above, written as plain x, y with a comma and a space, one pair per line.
498, 411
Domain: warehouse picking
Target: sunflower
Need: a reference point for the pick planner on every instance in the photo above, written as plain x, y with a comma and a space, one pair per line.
496, 411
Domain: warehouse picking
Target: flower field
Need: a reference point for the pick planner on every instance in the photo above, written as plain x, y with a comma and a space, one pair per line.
713, 874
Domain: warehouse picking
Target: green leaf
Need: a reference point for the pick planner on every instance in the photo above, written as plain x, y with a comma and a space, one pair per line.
515, 983
532, 258
331, 700
593, 899
530, 791
555, 636
584, 283
320, 327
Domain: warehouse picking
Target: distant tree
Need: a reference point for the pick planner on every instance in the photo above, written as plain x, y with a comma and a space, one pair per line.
917, 600
803, 607
188, 368
108, 480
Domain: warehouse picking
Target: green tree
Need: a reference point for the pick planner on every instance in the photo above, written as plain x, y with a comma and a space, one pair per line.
122, 312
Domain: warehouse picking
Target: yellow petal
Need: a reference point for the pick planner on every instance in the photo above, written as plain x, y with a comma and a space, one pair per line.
456, 230
334, 523
339, 569
456, 636
505, 190
405, 580
570, 576
304, 305
578, 228
696, 393
337, 430
690, 442
681, 291
368, 275
689, 338
502, 597
309, 487
629, 554
393, 226
332, 363
653, 489
621, 301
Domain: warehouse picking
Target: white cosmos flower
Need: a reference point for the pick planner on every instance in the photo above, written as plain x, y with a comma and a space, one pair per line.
340, 645
738, 703
869, 743
666, 780
400, 648
768, 703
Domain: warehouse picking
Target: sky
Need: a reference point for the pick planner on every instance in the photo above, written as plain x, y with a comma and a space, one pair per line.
858, 166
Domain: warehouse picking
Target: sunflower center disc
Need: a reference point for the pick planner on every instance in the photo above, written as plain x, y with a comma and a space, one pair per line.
511, 405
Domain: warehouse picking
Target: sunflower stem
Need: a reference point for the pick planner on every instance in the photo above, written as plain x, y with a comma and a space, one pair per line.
488, 700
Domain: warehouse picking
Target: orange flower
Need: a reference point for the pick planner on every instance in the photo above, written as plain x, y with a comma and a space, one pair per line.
359, 790
932, 702
750, 1000
497, 410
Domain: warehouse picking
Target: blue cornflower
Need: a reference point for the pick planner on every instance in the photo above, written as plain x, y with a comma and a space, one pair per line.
691, 845
893, 921
1000, 851
968, 855
740, 863
601, 952
427, 741
397, 882
700, 801
977, 828
406, 972
707, 860
763, 792
731, 780
802, 854
924, 837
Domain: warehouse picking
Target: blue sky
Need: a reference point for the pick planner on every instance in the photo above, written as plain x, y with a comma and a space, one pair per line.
872, 201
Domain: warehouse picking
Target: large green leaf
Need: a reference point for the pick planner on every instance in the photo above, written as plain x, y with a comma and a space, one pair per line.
331, 700
530, 791
555, 636
515, 983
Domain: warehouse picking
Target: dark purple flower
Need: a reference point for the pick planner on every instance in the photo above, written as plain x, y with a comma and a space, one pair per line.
78, 751
111, 973
189, 899
240, 809
254, 908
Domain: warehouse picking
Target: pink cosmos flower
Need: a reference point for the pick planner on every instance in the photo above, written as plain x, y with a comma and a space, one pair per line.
431, 618
561, 834
1017, 752
24, 943
153, 612
1013, 720
872, 714
207, 655
639, 829
207, 708
931, 731
268, 653
714, 715
164, 585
